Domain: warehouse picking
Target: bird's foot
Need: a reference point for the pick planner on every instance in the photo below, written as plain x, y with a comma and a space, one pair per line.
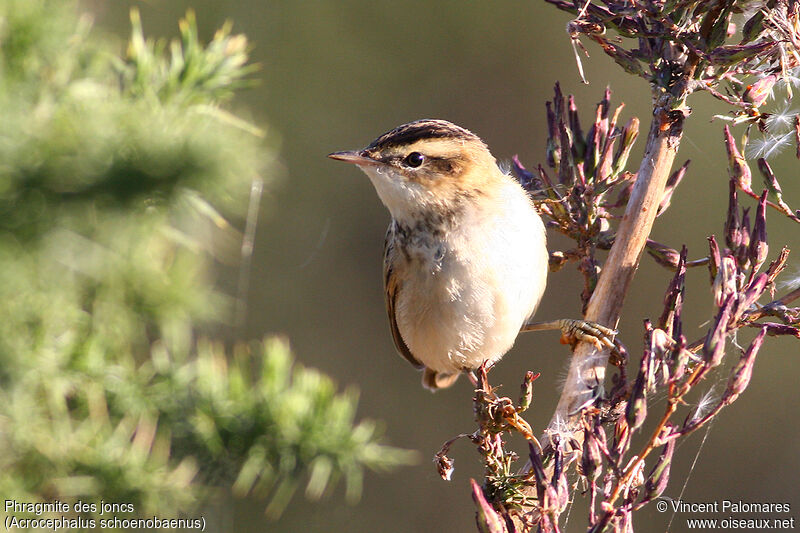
576, 330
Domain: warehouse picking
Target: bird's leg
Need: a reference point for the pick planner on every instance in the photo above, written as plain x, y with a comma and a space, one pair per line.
481, 379
574, 330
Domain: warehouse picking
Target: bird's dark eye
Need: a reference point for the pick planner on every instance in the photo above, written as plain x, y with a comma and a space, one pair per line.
414, 159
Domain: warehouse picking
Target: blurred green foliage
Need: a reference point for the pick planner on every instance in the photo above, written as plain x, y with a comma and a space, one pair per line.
109, 168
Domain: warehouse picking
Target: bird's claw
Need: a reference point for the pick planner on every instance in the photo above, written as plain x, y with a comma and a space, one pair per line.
575, 330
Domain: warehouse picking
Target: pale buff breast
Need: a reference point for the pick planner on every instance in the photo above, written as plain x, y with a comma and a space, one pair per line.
465, 297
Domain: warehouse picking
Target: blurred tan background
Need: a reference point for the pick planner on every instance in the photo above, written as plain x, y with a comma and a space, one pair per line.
334, 75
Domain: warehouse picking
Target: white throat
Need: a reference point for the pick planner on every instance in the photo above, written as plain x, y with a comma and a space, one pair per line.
404, 199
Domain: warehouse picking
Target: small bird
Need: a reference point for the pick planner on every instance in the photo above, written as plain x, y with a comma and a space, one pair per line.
465, 260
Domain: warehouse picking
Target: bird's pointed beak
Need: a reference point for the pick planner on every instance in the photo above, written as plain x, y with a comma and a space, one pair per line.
353, 156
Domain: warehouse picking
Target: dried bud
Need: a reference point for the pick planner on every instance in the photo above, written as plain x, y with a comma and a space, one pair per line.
719, 29
598, 133
636, 411
775, 188
725, 281
524, 176
797, 135
670, 319
444, 465
591, 459
774, 328
659, 476
737, 164
605, 164
652, 363
622, 438
553, 137
538, 469
600, 435
624, 58
566, 167
561, 489
558, 483
732, 224
740, 377
753, 27
750, 295
769, 177
661, 343
664, 255
724, 56
486, 517
714, 347
661, 346
714, 258
759, 92
680, 358
561, 141
743, 253
552, 192
758, 240
526, 391
578, 140
628, 137
673, 182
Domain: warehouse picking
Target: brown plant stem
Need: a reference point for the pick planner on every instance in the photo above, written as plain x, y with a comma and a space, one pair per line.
587, 370
588, 366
